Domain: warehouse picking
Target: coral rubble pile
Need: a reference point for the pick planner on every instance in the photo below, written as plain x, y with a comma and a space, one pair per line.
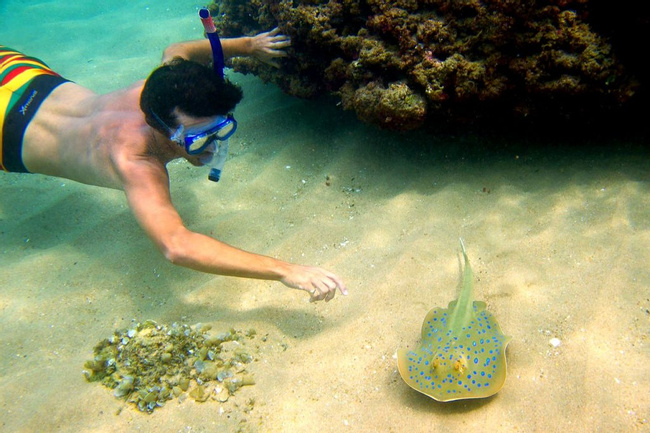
402, 63
150, 364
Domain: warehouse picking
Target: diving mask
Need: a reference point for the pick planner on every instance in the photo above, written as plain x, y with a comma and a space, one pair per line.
196, 140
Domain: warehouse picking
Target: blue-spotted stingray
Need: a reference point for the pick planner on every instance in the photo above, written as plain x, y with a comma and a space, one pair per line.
463, 351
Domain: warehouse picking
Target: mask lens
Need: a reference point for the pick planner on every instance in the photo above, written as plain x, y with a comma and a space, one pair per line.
198, 144
226, 130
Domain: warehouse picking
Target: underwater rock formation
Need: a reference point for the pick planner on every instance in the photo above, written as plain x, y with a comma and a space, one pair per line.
401, 64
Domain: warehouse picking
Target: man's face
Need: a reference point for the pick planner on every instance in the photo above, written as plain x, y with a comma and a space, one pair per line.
195, 123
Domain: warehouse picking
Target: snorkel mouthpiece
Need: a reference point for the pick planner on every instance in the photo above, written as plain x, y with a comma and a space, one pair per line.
218, 160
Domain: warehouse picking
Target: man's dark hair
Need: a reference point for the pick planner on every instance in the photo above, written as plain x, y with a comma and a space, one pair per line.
195, 89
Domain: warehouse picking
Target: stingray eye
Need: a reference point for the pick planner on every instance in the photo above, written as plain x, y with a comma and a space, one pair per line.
435, 364
459, 366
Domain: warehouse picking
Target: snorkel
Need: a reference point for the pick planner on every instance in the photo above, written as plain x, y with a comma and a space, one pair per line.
215, 43
216, 160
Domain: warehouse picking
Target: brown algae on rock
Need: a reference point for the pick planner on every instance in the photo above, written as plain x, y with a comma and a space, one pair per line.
149, 363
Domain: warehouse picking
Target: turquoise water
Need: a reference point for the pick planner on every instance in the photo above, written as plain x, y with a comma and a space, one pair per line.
103, 45
557, 229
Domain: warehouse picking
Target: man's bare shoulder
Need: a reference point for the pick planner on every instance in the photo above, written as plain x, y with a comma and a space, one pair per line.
80, 135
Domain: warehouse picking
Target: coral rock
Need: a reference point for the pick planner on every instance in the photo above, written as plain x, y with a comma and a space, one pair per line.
400, 63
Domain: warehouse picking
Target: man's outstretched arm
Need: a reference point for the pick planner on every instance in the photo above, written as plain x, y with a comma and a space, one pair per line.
147, 191
266, 47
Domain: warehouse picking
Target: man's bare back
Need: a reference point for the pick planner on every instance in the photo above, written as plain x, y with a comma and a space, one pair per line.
80, 135
105, 140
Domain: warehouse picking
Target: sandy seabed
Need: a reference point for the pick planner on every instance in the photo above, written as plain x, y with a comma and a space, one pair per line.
557, 233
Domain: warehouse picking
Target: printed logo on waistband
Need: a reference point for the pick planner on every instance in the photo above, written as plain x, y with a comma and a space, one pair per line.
23, 109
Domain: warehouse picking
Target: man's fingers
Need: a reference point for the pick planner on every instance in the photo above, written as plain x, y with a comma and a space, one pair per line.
315, 295
276, 53
280, 44
326, 289
338, 283
280, 39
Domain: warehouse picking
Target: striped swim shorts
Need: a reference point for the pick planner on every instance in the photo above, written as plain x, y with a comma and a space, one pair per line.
25, 82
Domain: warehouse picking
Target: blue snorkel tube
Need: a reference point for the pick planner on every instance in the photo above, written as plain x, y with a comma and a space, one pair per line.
218, 160
215, 43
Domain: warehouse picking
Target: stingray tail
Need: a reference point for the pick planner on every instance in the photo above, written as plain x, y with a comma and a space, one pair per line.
464, 307
468, 276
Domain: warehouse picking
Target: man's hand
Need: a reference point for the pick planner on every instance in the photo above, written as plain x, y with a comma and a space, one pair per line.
268, 46
319, 283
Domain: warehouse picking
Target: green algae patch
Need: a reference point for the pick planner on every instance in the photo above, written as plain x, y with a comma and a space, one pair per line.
149, 364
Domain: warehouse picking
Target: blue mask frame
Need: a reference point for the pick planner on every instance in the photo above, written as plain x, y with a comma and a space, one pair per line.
196, 142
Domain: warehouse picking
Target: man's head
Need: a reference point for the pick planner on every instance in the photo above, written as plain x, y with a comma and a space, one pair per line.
189, 86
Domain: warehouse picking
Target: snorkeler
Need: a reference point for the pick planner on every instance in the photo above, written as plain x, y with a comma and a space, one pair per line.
125, 138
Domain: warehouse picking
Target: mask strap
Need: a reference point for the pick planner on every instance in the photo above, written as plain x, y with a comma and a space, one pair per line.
177, 135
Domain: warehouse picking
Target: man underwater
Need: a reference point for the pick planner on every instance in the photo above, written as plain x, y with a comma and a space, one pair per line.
125, 138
